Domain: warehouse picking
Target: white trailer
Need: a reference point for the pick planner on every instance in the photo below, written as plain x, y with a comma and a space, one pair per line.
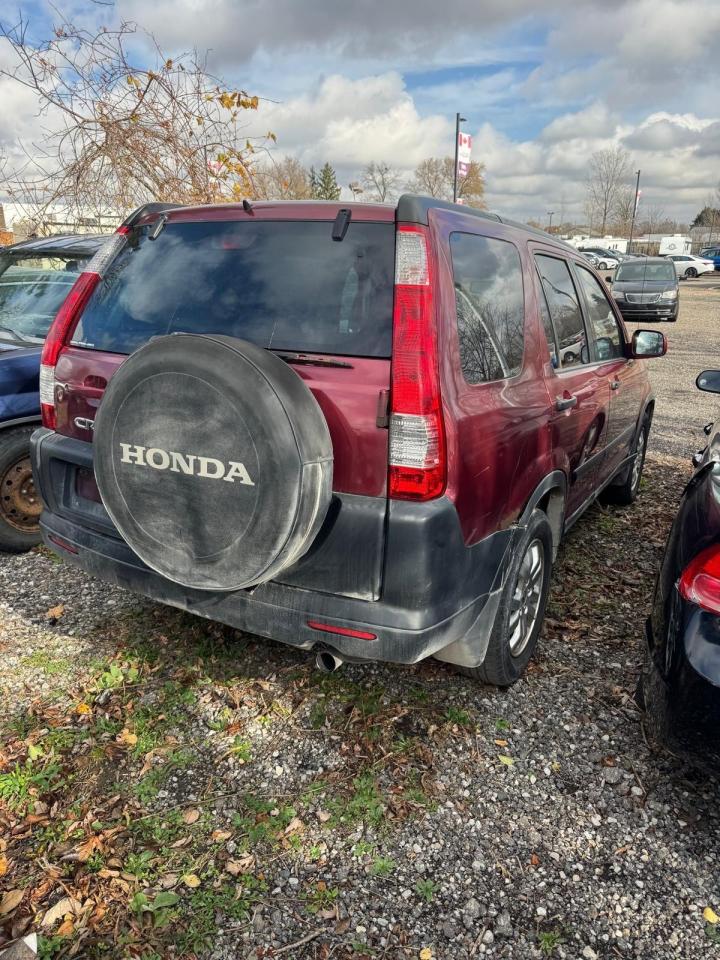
677, 243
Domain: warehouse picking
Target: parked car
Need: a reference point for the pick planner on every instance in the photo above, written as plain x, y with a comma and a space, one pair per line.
689, 267
647, 289
35, 277
607, 259
595, 261
712, 253
680, 683
368, 453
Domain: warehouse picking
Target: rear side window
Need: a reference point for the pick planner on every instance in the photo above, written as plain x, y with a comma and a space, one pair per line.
32, 289
564, 305
490, 306
284, 285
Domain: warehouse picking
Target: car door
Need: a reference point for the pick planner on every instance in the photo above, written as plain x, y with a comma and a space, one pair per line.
581, 400
621, 377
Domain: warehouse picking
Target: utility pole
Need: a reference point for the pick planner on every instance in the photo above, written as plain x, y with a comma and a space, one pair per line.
635, 206
458, 121
551, 214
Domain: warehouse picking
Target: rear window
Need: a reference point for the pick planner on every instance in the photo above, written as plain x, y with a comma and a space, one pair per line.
641, 270
32, 289
285, 285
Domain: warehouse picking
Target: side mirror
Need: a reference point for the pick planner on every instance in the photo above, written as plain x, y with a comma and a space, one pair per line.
709, 380
649, 343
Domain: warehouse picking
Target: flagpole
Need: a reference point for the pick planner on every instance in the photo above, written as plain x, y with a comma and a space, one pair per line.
635, 206
458, 121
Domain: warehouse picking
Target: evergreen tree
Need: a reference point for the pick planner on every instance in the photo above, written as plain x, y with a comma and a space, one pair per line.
324, 185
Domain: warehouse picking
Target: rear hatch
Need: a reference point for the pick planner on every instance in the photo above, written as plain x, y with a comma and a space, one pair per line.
275, 277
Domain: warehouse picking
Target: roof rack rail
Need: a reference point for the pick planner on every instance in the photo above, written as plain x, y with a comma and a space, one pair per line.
147, 209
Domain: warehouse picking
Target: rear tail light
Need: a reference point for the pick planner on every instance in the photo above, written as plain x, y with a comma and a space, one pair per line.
417, 437
63, 326
700, 581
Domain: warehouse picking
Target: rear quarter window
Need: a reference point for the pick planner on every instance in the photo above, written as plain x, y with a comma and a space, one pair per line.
490, 307
278, 284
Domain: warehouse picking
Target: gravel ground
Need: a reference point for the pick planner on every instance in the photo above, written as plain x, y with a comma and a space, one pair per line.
380, 812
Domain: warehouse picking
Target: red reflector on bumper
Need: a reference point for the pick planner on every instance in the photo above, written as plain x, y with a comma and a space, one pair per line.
63, 544
343, 631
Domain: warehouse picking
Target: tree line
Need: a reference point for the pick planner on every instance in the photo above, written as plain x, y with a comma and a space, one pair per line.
288, 179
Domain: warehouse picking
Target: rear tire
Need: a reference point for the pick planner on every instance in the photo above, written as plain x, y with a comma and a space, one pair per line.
691, 273
20, 504
522, 607
626, 493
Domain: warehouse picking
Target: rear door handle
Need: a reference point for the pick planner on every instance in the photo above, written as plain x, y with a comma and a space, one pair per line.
614, 384
565, 403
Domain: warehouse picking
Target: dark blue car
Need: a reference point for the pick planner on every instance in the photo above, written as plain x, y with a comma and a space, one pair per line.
680, 685
35, 277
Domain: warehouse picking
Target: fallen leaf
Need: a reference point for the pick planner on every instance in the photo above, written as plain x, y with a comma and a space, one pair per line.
182, 842
10, 900
88, 847
169, 880
83, 708
501, 743
503, 758
66, 929
535, 860
243, 865
191, 816
323, 816
3, 865
57, 912
425, 954
54, 613
295, 826
191, 880
127, 738
710, 916
220, 836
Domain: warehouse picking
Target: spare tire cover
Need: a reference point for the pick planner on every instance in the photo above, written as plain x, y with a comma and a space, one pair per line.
213, 459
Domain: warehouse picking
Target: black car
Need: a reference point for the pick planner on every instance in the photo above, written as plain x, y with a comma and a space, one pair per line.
35, 277
680, 684
646, 289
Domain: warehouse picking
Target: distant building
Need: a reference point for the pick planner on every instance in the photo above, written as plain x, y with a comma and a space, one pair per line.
56, 220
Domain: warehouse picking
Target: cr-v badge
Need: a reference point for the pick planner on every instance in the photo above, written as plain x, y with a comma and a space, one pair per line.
188, 463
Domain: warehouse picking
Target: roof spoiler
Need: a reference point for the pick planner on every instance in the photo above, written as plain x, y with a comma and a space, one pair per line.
148, 209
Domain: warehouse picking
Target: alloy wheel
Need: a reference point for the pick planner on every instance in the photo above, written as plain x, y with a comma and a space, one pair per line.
526, 598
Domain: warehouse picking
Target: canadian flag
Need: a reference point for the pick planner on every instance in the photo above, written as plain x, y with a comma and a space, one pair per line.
464, 149
465, 140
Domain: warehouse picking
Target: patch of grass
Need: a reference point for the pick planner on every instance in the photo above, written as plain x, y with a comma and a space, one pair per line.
241, 749
548, 942
501, 724
363, 848
50, 666
140, 864
364, 806
322, 897
382, 866
49, 947
208, 904
26, 782
117, 675
458, 717
22, 724
425, 889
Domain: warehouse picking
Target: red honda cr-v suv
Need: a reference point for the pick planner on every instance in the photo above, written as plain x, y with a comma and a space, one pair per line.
357, 429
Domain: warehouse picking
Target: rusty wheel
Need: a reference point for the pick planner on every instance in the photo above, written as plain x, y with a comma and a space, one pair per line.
20, 504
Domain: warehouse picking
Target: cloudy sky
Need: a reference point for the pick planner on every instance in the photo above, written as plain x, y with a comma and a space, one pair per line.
542, 85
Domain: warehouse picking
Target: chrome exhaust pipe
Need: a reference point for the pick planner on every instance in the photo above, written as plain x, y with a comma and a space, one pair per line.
327, 661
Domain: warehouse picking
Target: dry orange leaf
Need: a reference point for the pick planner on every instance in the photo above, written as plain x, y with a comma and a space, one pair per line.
3, 865
220, 836
191, 880
127, 738
243, 865
501, 743
66, 929
83, 708
191, 816
54, 613
88, 847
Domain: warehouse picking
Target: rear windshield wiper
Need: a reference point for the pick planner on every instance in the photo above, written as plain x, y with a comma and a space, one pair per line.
311, 361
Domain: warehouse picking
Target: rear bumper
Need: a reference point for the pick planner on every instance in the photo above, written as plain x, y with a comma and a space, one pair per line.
435, 588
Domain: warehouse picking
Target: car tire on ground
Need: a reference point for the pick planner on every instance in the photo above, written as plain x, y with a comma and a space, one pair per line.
20, 504
522, 607
626, 493
691, 273
214, 460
